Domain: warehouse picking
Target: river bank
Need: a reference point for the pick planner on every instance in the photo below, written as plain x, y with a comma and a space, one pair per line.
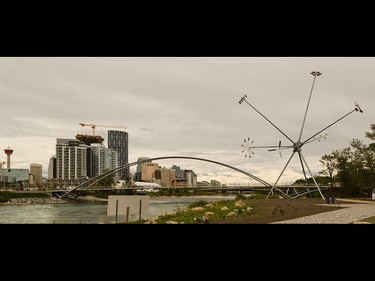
90, 198
51, 200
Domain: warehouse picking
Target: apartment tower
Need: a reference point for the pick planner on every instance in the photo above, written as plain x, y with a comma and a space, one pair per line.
118, 141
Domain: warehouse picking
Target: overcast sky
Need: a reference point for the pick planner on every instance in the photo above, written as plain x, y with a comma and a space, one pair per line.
188, 106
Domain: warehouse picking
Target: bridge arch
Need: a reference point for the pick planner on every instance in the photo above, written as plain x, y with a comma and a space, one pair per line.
110, 172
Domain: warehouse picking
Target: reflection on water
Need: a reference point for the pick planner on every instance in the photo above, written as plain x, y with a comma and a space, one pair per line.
90, 212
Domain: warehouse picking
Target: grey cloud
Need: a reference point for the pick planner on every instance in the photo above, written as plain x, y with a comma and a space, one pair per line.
189, 106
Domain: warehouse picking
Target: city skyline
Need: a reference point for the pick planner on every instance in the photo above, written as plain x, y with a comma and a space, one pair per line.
187, 106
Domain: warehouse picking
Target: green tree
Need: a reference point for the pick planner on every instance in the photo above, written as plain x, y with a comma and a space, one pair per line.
108, 180
370, 159
371, 135
329, 163
353, 167
129, 182
344, 171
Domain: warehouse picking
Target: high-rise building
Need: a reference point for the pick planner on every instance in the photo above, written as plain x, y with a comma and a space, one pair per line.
191, 178
89, 139
52, 167
179, 172
148, 171
138, 174
118, 141
71, 159
36, 171
167, 177
103, 159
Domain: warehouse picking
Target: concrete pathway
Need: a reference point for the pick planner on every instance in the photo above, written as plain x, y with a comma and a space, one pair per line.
354, 212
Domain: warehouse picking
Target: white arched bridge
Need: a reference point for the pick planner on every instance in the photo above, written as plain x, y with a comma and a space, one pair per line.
96, 179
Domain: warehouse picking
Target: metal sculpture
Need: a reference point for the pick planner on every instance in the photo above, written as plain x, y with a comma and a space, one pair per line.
295, 145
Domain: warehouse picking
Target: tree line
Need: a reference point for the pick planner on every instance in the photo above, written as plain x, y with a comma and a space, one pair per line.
351, 171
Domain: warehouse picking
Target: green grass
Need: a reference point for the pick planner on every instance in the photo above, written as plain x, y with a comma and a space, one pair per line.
197, 211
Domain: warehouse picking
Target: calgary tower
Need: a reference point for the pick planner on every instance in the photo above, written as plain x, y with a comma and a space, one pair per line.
8, 152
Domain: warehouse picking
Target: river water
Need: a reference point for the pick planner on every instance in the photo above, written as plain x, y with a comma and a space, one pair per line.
90, 212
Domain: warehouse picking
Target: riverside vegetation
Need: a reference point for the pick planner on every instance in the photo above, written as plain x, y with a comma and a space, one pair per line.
254, 209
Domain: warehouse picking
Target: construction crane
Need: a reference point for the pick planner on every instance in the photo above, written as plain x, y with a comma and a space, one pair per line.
93, 126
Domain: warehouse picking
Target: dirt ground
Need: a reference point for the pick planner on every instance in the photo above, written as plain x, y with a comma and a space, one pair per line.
272, 210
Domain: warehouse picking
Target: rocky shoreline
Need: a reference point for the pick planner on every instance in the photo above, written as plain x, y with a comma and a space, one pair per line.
51, 200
